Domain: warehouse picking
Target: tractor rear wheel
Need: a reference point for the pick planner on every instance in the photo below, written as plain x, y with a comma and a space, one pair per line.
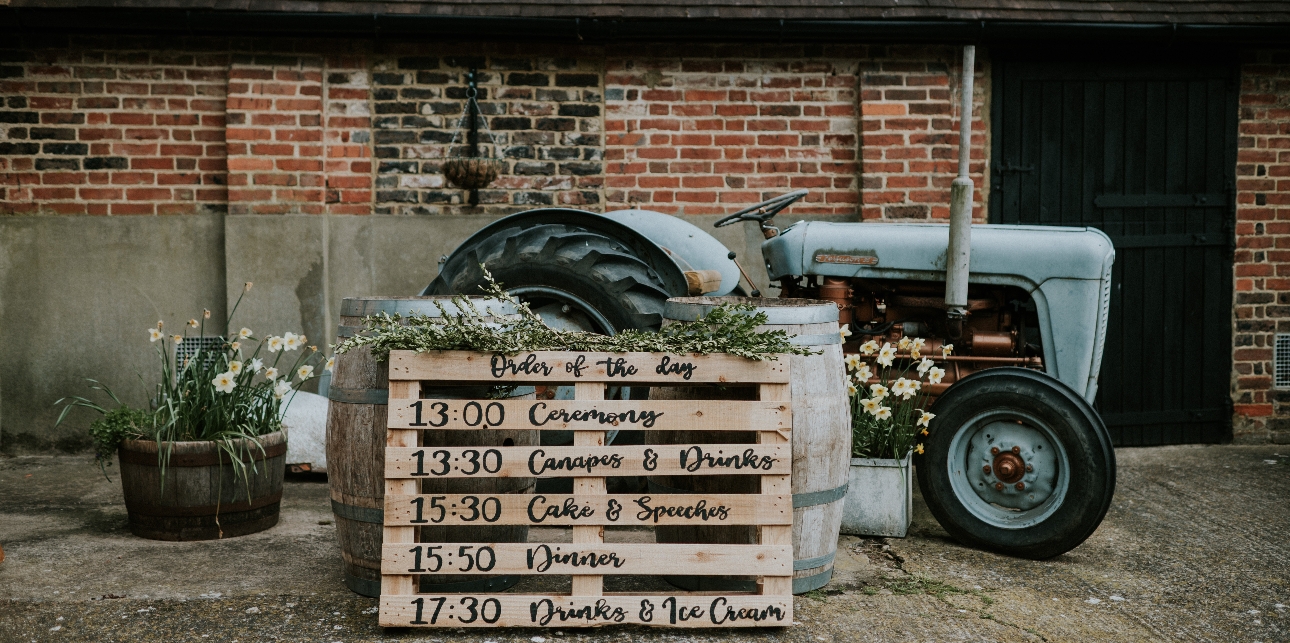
575, 278
1017, 462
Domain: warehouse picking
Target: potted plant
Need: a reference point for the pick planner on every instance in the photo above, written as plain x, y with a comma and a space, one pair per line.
205, 459
888, 416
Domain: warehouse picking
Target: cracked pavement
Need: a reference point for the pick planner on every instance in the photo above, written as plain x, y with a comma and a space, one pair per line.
1194, 548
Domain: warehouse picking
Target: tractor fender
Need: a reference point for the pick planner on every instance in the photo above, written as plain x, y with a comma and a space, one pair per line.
668, 245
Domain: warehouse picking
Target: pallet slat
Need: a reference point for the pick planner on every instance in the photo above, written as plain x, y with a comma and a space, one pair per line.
568, 415
588, 461
518, 610
579, 559
640, 509
565, 367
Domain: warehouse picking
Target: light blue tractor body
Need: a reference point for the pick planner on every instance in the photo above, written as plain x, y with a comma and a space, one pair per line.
1066, 270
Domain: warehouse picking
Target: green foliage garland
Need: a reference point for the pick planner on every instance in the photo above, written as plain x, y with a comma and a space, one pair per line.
726, 329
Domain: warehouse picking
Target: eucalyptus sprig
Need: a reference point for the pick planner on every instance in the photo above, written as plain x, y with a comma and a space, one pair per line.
728, 328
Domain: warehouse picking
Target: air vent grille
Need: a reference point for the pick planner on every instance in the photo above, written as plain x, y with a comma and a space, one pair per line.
1281, 357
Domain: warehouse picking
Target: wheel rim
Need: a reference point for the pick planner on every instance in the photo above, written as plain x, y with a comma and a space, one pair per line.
1009, 469
563, 310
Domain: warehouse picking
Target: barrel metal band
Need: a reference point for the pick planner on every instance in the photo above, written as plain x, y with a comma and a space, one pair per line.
208, 459
820, 497
815, 313
815, 340
814, 581
430, 306
358, 395
360, 514
148, 509
812, 563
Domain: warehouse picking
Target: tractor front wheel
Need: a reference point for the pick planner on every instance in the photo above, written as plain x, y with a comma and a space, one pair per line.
1017, 462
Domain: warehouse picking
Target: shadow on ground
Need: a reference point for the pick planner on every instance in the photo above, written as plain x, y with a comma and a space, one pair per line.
1195, 548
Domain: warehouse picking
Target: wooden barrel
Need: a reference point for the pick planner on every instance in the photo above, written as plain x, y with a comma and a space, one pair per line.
821, 443
203, 498
356, 419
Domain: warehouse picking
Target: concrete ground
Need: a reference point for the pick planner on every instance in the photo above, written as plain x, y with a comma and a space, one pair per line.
1196, 547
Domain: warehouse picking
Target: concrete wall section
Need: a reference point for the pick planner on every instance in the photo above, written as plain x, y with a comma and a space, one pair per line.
77, 295
303, 266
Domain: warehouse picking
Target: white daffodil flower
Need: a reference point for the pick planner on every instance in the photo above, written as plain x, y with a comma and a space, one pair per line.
271, 374
154, 334
870, 405
331, 363
911, 389
256, 365
887, 354
244, 333
917, 343
177, 338
863, 373
878, 391
192, 323
844, 331
305, 371
900, 387
281, 389
883, 413
237, 346
274, 344
934, 375
926, 418
903, 343
946, 350
235, 367
291, 341
924, 365
852, 361
224, 382
869, 347
851, 389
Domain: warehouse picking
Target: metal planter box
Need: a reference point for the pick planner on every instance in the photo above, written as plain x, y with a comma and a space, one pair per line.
880, 498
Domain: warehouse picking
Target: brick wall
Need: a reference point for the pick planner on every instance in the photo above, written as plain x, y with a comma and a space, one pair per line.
540, 114
1262, 306
910, 115
100, 127
710, 128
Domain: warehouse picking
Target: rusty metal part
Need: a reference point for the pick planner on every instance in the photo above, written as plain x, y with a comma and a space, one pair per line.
914, 301
986, 469
1021, 486
1016, 449
751, 286
990, 343
838, 290
1029, 468
994, 450
998, 486
1008, 466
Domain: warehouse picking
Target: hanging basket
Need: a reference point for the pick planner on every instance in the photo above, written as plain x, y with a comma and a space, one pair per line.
471, 173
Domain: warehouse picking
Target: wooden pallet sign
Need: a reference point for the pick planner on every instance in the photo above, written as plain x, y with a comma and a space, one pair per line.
589, 509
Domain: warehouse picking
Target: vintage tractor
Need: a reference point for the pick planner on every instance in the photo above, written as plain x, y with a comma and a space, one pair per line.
1018, 461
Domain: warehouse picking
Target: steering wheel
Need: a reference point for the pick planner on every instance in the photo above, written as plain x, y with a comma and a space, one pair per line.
764, 210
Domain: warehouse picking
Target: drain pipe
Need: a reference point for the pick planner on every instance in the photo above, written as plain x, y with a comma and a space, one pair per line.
959, 253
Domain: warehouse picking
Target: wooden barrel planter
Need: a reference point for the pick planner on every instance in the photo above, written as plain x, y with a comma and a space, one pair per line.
821, 443
356, 419
203, 498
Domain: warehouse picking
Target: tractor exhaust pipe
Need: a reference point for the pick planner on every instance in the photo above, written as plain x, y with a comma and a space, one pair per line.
958, 256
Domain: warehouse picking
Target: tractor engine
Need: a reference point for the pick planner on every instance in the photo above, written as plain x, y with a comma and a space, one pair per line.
1001, 328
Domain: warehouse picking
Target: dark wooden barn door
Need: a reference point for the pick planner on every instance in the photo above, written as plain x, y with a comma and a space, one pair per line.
1147, 154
